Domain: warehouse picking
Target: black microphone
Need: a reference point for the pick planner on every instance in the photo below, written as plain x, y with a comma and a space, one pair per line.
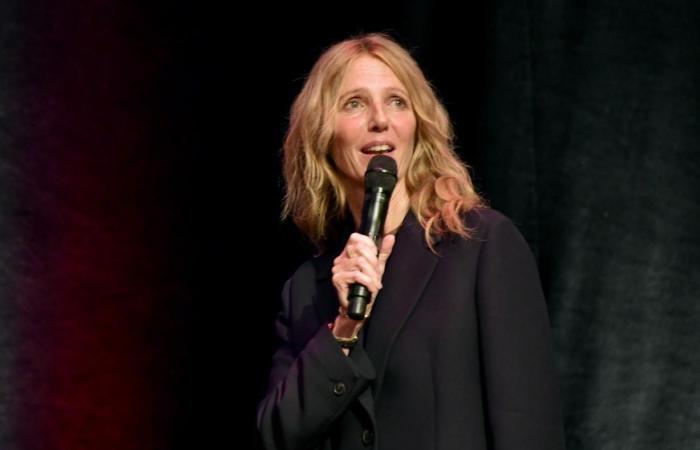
380, 179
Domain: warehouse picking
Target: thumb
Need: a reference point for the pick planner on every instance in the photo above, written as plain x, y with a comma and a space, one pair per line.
385, 249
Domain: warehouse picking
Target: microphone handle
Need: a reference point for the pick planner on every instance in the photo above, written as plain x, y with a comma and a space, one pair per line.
374, 215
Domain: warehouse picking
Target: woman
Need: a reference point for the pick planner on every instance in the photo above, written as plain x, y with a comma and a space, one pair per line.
455, 350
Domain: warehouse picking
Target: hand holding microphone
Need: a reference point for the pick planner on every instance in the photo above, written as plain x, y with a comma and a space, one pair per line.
360, 265
380, 179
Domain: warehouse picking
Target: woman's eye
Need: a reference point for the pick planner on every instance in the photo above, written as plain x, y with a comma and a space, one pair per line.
353, 103
398, 102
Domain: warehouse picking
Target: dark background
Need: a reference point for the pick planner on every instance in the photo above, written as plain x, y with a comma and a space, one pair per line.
141, 252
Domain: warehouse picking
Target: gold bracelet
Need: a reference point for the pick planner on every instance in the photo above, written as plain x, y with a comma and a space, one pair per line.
345, 342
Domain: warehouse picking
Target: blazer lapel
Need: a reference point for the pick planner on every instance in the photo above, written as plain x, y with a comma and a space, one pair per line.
408, 270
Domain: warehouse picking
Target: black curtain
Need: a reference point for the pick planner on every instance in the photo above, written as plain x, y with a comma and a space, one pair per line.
592, 146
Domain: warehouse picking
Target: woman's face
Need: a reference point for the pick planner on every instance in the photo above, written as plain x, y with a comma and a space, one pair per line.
374, 117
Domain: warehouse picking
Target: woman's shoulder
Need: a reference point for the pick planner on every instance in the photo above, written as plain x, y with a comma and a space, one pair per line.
486, 215
496, 231
484, 220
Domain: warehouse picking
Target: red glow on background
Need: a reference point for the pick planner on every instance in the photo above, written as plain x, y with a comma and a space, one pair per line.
90, 350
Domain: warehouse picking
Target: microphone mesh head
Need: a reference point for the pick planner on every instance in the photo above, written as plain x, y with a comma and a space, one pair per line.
381, 173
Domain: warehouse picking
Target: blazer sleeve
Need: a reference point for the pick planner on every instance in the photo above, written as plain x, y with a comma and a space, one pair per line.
521, 391
310, 388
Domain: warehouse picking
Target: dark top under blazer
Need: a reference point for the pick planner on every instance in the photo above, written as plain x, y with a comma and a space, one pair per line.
457, 354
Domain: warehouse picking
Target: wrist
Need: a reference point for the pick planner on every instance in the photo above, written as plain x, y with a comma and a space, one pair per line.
346, 331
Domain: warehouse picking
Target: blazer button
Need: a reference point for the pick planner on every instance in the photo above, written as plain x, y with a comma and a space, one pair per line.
367, 437
339, 388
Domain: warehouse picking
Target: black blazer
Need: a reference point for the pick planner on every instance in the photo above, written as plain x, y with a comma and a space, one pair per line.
457, 353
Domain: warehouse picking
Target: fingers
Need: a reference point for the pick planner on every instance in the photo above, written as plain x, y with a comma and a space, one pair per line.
360, 263
342, 281
359, 253
363, 268
361, 245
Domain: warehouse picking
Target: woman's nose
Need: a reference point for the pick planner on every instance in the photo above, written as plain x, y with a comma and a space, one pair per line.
378, 120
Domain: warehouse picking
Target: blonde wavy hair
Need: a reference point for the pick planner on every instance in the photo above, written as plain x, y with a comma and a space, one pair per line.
440, 189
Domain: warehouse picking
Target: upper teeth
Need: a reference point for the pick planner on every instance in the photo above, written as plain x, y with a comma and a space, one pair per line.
379, 148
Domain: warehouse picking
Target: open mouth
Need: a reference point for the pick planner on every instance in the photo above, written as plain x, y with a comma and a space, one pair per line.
378, 149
